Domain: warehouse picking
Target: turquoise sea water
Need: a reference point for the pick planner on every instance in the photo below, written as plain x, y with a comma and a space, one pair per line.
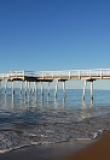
27, 119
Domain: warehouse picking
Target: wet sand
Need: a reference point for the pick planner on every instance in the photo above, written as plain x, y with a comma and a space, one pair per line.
99, 150
92, 150
58, 151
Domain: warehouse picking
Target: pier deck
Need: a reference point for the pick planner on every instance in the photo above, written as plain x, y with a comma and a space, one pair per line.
88, 75
50, 76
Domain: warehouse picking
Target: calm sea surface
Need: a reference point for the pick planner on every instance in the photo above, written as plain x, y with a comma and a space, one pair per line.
27, 119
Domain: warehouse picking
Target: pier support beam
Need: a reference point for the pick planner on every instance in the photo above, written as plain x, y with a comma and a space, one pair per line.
0, 84
41, 85
21, 88
91, 90
12, 87
84, 90
25, 87
56, 89
35, 88
64, 88
48, 92
5, 86
28, 87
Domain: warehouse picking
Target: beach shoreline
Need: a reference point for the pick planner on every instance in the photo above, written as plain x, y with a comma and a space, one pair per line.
77, 150
56, 151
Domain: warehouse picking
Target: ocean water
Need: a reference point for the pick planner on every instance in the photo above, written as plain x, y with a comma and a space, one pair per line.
33, 119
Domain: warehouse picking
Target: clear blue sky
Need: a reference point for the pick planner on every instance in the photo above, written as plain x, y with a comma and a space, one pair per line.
54, 34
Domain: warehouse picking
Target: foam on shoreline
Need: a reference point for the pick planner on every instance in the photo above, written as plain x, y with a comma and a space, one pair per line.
95, 136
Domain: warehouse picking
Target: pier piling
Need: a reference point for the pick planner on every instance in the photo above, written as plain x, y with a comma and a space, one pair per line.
21, 88
35, 88
64, 88
84, 90
12, 87
48, 92
0, 84
5, 86
42, 91
91, 90
56, 88
25, 88
28, 87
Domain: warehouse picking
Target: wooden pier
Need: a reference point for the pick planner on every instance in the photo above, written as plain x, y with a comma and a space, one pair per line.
50, 76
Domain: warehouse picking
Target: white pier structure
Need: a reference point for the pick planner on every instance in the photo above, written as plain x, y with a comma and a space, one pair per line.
50, 76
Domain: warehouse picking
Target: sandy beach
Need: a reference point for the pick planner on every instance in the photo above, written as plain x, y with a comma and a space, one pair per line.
98, 150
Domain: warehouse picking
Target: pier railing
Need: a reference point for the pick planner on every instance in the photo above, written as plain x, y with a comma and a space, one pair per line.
68, 74
22, 73
74, 73
17, 74
29, 73
4, 75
